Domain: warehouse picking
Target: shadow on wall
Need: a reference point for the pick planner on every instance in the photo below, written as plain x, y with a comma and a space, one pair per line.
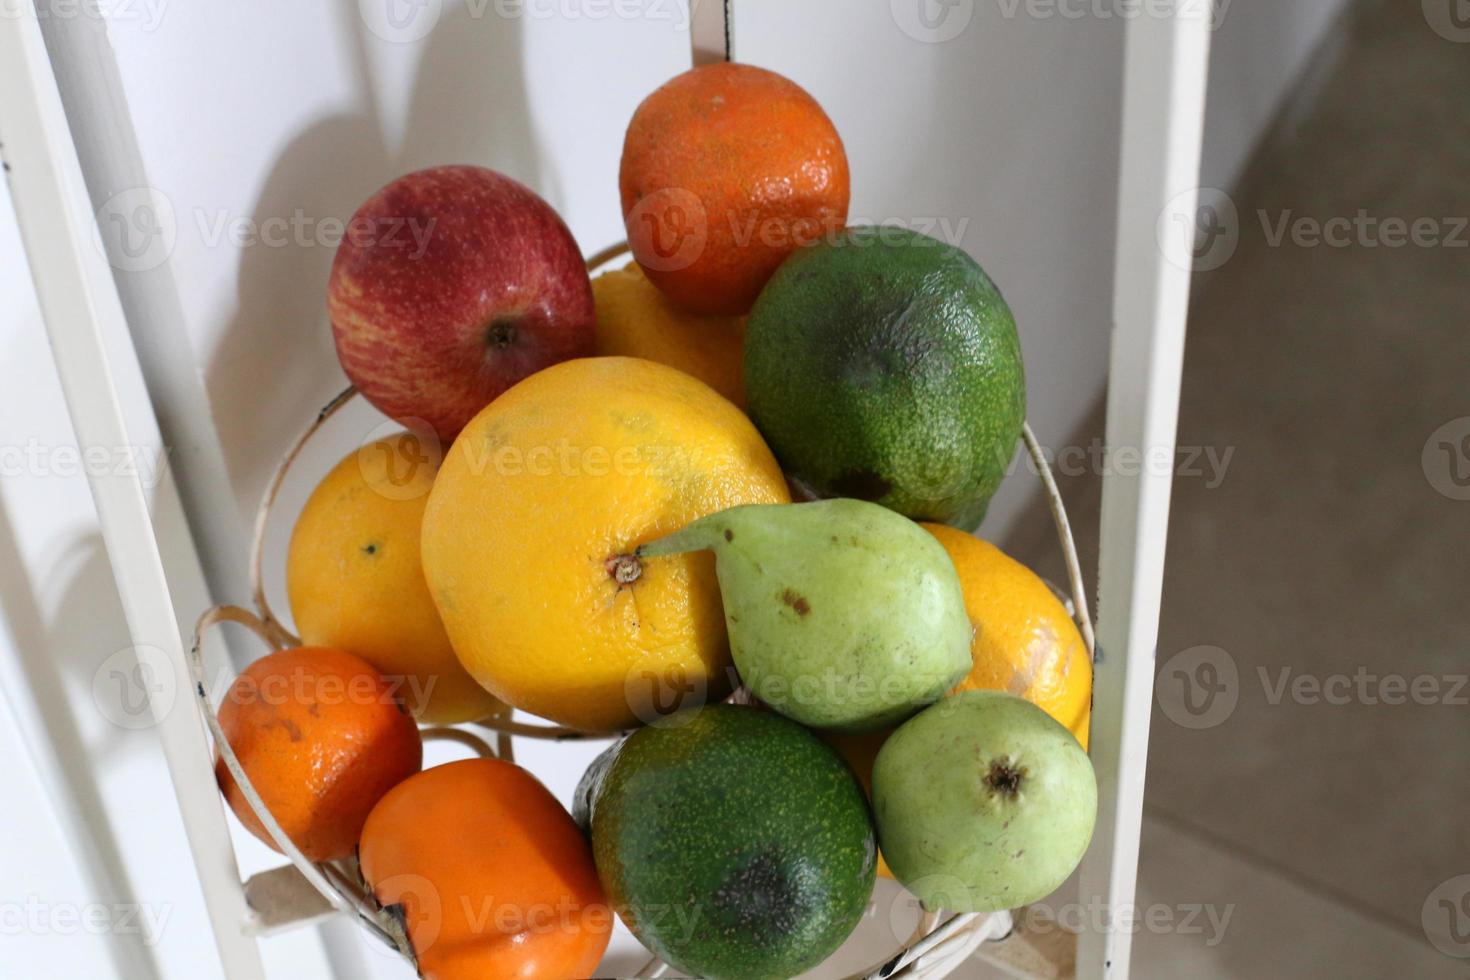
275, 365
61, 653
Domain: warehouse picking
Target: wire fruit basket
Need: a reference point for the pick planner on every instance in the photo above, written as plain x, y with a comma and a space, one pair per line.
939, 943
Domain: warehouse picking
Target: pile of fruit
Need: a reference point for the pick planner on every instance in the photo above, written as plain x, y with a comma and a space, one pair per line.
610, 543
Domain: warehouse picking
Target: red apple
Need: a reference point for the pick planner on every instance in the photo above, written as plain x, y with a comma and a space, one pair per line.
450, 285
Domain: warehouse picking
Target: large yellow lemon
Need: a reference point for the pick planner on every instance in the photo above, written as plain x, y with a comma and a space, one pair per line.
635, 319
355, 581
1025, 643
531, 527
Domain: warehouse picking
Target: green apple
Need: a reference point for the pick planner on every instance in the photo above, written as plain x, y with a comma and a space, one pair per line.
983, 802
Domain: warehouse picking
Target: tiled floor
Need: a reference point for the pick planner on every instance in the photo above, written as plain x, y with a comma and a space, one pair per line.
1324, 818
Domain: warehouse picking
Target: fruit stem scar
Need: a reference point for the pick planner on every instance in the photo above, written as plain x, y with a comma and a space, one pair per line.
500, 334
625, 569
1005, 778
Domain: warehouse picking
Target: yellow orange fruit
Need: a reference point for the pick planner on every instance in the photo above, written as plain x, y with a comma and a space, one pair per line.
635, 319
533, 520
1025, 643
355, 580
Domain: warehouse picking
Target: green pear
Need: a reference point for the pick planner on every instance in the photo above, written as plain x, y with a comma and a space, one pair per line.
983, 802
841, 613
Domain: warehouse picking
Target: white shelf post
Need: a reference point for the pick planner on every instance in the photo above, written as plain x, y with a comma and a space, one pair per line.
1165, 72
80, 305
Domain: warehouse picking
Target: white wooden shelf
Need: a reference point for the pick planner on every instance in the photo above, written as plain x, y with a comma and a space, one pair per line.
1162, 121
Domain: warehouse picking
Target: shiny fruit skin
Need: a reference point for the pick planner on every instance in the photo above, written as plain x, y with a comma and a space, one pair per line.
1025, 643
492, 877
450, 285
726, 169
322, 739
356, 582
634, 319
539, 506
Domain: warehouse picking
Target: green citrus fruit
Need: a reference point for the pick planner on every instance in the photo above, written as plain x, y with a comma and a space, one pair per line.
883, 364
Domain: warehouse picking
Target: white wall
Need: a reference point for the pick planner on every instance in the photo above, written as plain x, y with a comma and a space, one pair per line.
234, 114
98, 880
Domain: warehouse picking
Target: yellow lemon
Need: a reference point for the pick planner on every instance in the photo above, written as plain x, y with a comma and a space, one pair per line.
355, 581
635, 319
531, 527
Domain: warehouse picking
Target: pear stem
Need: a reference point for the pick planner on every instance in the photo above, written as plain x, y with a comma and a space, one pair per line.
699, 536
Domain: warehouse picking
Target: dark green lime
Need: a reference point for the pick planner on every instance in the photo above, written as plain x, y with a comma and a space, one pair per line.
734, 843
883, 364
